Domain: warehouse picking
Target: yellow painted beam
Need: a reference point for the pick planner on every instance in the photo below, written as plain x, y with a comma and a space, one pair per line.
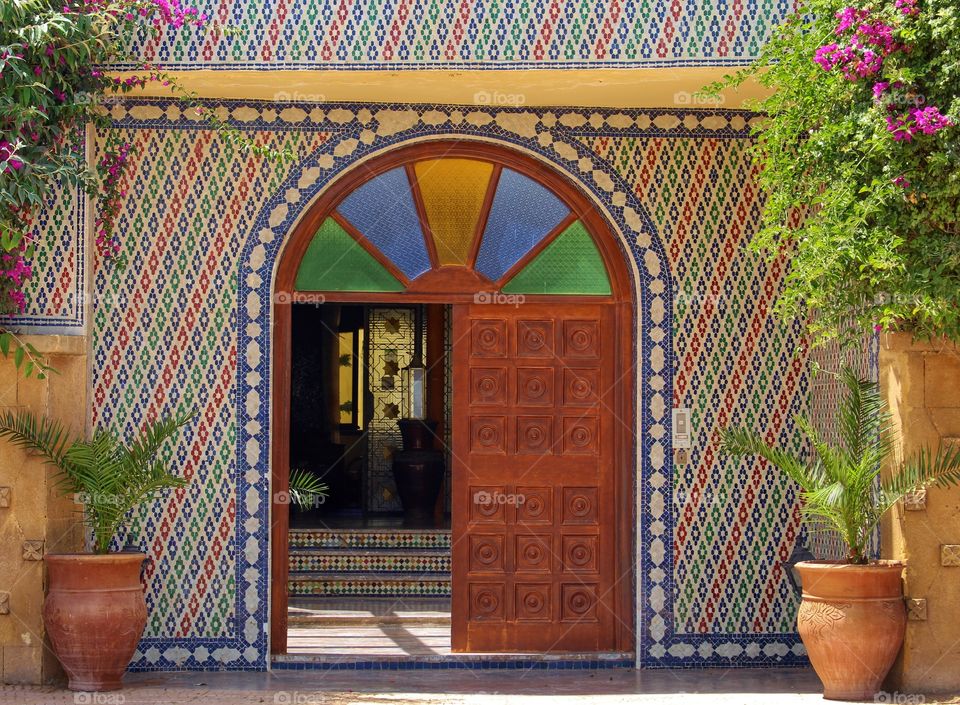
595, 88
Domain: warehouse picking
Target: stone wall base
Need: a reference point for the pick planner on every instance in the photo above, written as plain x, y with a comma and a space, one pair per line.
921, 382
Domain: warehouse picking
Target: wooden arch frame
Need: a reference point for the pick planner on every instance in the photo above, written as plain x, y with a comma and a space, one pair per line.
455, 285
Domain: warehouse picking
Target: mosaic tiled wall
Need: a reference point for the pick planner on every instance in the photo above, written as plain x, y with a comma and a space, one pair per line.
189, 327
350, 34
55, 292
734, 523
165, 340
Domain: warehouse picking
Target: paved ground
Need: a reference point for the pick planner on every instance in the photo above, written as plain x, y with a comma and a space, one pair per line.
706, 687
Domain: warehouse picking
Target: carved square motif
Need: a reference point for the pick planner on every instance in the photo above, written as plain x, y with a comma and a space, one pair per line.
950, 555
581, 339
581, 387
534, 553
532, 602
581, 436
488, 434
917, 609
486, 602
4, 497
535, 386
915, 501
32, 550
536, 507
486, 553
535, 435
488, 385
580, 505
578, 602
534, 338
488, 338
484, 504
579, 554
4, 603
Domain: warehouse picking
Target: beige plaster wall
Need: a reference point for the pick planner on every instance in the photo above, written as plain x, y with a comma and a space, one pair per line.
921, 382
590, 88
34, 517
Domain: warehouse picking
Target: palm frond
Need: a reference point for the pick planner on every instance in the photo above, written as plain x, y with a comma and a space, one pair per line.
841, 487
40, 434
925, 468
743, 443
109, 477
306, 489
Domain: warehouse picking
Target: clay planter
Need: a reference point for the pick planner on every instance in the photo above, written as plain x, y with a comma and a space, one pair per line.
852, 621
95, 613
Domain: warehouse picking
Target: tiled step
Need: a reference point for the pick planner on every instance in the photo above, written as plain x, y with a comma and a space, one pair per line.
384, 560
329, 584
370, 538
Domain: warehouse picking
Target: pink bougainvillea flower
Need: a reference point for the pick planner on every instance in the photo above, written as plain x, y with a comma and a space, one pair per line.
930, 120
907, 7
848, 17
902, 130
901, 181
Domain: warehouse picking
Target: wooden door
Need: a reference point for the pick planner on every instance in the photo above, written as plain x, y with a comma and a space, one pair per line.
533, 477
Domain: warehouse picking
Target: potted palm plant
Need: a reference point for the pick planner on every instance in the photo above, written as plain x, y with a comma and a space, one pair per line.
95, 610
852, 618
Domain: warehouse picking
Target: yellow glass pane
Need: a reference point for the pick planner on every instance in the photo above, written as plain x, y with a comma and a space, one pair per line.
453, 192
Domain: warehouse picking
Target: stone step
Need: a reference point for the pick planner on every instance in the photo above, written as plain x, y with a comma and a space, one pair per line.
381, 560
369, 611
370, 538
330, 584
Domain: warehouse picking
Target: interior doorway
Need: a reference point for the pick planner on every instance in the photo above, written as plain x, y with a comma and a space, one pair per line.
505, 253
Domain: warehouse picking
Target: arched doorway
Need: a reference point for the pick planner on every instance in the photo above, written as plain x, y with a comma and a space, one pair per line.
542, 380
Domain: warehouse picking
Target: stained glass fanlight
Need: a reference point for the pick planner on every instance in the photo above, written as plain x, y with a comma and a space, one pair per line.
454, 213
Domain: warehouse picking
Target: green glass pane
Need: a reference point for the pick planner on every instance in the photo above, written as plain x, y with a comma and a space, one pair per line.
571, 264
334, 261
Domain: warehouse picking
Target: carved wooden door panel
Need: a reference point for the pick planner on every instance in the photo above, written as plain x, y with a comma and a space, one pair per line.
533, 477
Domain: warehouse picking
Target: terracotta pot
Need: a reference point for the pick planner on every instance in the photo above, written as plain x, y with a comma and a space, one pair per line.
95, 613
852, 621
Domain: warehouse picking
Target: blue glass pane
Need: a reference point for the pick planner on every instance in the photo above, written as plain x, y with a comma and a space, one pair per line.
383, 211
523, 213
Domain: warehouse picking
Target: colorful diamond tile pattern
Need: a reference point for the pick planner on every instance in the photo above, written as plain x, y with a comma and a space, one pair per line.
55, 291
187, 325
734, 523
165, 340
333, 34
